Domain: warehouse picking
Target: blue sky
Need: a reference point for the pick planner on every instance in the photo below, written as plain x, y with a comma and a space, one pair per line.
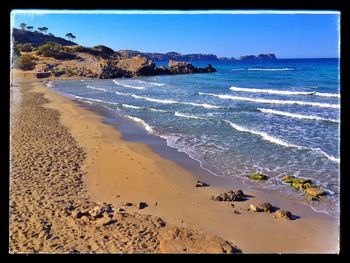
286, 35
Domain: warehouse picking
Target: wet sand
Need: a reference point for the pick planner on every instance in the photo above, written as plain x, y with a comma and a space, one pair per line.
112, 170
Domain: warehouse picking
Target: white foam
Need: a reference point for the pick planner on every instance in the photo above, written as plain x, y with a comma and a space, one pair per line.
263, 135
283, 92
142, 122
50, 84
204, 105
101, 89
179, 114
151, 109
130, 106
297, 116
330, 157
128, 86
154, 100
95, 100
269, 101
151, 83
270, 69
280, 142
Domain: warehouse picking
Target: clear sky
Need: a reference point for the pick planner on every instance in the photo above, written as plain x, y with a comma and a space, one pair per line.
231, 35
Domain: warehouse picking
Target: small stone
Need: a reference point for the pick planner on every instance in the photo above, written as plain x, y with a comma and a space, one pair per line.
142, 205
240, 193
255, 208
287, 179
85, 218
201, 184
127, 204
312, 198
266, 207
283, 214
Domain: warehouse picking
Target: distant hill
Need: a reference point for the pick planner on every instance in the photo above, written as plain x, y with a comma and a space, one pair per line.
37, 38
167, 56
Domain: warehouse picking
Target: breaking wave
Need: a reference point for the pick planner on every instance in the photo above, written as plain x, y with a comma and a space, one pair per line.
297, 116
179, 114
142, 122
265, 136
128, 86
101, 89
270, 69
269, 101
284, 92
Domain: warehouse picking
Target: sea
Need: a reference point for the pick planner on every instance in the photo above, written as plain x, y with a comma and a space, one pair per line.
277, 117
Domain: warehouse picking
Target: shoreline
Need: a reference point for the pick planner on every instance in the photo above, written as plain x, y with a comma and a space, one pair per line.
141, 174
134, 132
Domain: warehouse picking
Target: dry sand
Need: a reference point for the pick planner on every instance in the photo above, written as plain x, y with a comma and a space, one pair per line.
81, 162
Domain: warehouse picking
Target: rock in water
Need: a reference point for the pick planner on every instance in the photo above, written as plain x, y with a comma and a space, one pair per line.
316, 192
258, 176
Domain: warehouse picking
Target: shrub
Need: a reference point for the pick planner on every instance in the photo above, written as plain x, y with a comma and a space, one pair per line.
104, 49
26, 47
26, 62
54, 50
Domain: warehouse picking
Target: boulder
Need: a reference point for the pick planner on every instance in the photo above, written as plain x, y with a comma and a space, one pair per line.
201, 184
283, 214
255, 208
181, 67
137, 66
316, 192
228, 196
258, 176
287, 179
266, 207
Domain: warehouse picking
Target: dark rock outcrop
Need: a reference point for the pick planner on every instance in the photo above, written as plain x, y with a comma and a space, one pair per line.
181, 67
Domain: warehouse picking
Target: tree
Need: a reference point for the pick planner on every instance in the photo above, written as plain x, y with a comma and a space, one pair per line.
30, 28
44, 29
23, 26
73, 37
69, 36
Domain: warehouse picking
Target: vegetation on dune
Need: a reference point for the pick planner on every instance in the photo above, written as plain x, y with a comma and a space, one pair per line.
54, 50
103, 49
26, 62
26, 47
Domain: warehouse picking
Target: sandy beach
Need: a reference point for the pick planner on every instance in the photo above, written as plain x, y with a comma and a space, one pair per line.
66, 162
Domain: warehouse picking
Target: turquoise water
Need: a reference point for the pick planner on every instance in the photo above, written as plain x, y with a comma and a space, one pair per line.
276, 117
